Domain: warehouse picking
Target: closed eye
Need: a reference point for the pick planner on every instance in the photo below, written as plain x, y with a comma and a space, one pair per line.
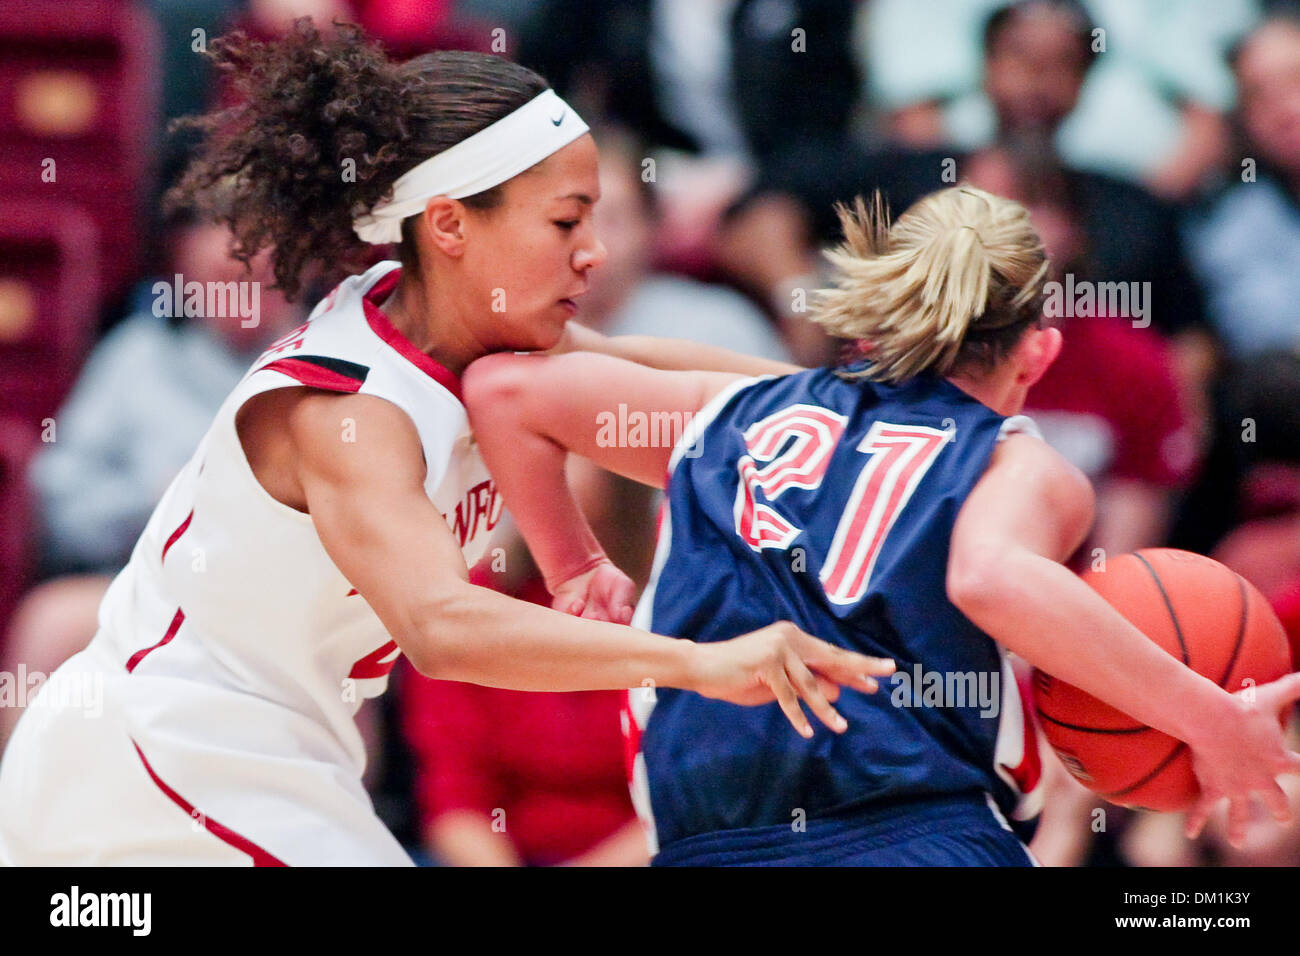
566, 224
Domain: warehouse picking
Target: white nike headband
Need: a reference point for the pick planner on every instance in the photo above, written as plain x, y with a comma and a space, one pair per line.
503, 150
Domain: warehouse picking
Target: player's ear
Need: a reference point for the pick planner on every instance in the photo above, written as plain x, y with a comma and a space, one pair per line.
444, 218
1036, 352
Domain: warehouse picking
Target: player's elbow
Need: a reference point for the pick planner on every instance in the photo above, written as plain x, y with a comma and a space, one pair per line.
494, 381
977, 578
440, 629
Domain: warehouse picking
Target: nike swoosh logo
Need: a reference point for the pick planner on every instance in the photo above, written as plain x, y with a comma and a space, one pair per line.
557, 122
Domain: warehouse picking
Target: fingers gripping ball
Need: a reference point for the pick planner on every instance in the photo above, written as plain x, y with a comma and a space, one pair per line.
1200, 612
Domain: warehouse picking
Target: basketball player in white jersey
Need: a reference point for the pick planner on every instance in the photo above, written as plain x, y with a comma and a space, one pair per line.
327, 519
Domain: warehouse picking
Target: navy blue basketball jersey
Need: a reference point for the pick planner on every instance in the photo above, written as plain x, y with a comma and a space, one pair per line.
829, 503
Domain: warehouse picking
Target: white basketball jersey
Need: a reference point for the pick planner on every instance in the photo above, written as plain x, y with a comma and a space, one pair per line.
235, 652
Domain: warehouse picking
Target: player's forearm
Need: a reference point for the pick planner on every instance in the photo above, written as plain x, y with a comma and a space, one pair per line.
674, 355
528, 469
1043, 612
685, 355
476, 635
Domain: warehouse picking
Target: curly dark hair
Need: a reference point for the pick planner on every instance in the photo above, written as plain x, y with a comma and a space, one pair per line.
273, 168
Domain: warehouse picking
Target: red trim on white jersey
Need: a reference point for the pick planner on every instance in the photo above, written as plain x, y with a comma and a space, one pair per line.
177, 619
175, 535
400, 343
374, 665
313, 375
223, 833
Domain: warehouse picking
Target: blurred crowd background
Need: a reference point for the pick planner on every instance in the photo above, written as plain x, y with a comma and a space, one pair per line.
1155, 143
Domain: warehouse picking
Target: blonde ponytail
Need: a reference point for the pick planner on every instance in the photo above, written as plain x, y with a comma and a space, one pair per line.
935, 288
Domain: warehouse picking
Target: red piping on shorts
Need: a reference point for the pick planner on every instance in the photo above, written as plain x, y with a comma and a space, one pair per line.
223, 833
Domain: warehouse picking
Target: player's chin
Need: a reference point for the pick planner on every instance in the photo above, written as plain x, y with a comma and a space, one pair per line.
550, 328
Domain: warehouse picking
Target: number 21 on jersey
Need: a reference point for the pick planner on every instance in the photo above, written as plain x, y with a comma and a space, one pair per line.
900, 455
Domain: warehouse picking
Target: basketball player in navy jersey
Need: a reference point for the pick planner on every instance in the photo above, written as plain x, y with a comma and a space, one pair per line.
897, 505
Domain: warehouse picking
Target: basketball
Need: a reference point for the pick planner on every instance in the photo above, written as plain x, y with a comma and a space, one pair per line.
1197, 610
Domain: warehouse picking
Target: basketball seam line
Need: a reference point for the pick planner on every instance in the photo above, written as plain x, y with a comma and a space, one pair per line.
1094, 730
1241, 633
1149, 777
1178, 632
1169, 606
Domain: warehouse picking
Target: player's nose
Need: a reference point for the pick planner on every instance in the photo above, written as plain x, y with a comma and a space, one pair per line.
589, 256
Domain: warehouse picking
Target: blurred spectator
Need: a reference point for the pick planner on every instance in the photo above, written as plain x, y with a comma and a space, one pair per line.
1262, 421
712, 77
511, 778
142, 403
140, 406
1036, 59
1151, 110
1246, 244
712, 86
628, 297
1287, 606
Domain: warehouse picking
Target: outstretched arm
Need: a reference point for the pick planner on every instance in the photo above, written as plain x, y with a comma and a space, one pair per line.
1025, 516
668, 354
367, 501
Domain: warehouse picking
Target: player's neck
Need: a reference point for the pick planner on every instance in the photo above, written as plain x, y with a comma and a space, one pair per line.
447, 340
999, 391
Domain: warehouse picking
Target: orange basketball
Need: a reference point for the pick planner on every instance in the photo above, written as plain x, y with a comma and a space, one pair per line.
1200, 612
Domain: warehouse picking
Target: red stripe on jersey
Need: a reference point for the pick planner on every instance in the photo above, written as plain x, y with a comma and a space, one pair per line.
179, 531
314, 375
223, 833
1029, 771
352, 592
373, 664
139, 655
388, 332
631, 736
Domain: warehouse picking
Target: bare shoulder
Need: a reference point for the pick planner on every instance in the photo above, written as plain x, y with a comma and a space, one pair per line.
1030, 464
289, 432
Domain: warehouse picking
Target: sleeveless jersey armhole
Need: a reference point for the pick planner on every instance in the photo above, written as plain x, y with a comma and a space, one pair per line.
1018, 425
240, 454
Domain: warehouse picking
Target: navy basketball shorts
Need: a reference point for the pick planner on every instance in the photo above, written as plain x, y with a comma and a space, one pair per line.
960, 830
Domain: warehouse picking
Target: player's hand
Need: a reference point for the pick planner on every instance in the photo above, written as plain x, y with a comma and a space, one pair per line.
603, 593
1241, 753
782, 663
